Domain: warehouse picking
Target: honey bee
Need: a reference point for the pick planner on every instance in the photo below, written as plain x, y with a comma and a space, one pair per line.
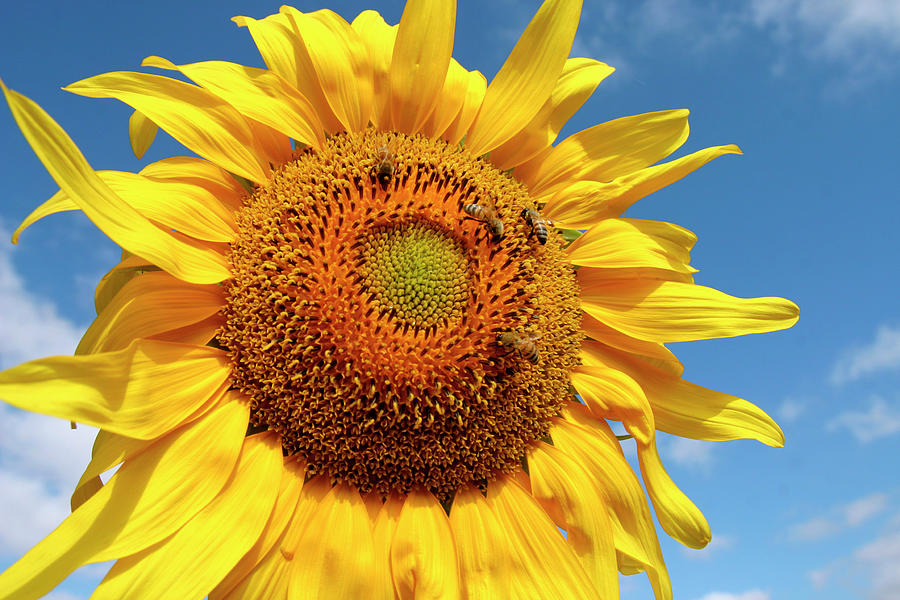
487, 215
524, 345
384, 170
538, 224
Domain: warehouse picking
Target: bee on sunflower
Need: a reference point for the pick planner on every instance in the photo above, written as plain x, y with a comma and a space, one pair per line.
351, 350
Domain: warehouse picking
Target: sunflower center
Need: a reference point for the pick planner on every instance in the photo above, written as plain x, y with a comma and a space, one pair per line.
415, 271
379, 324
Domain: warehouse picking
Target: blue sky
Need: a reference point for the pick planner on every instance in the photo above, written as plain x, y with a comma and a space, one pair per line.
808, 88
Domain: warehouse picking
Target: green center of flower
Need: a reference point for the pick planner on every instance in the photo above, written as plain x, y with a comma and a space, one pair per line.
415, 272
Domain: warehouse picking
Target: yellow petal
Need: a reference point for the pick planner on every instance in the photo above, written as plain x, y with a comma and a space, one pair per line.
686, 409
420, 61
141, 132
335, 554
606, 151
481, 547
383, 529
197, 171
291, 481
340, 62
197, 556
283, 51
423, 556
671, 311
379, 38
109, 450
196, 334
184, 207
449, 101
589, 441
580, 77
195, 117
566, 492
256, 93
679, 517
611, 394
583, 204
633, 243
146, 306
110, 284
542, 564
111, 214
142, 391
476, 87
527, 78
146, 501
612, 337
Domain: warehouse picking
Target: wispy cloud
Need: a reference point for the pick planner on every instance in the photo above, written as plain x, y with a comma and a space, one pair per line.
31, 326
882, 354
878, 421
847, 516
756, 594
694, 454
791, 409
872, 567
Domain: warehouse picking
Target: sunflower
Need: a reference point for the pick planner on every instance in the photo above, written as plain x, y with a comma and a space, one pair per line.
367, 342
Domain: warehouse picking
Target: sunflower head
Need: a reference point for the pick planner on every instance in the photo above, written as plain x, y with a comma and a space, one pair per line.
378, 325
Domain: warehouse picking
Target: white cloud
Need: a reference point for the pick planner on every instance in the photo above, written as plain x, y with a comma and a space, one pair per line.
880, 559
882, 354
880, 420
847, 516
31, 326
791, 409
689, 453
748, 595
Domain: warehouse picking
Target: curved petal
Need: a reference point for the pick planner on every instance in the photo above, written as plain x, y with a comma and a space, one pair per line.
339, 62
542, 564
580, 77
590, 441
149, 305
284, 53
527, 78
189, 563
142, 391
291, 481
379, 38
146, 501
109, 450
633, 243
672, 311
583, 204
195, 117
116, 278
196, 334
563, 488
180, 206
423, 556
476, 87
122, 223
336, 555
200, 172
420, 60
684, 408
606, 151
141, 133
385, 525
449, 101
611, 394
481, 547
596, 330
256, 93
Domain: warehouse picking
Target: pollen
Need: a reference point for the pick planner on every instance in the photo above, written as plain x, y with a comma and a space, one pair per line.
366, 305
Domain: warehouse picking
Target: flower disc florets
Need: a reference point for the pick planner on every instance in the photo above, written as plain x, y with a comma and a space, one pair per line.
366, 305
